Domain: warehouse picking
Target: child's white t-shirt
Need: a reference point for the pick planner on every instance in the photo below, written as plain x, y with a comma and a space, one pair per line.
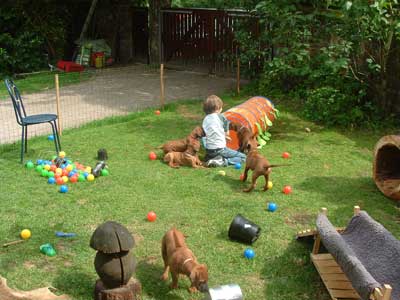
214, 130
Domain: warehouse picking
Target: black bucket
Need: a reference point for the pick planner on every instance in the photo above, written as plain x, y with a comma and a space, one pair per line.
243, 230
102, 154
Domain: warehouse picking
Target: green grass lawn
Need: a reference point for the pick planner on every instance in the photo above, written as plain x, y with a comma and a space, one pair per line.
330, 168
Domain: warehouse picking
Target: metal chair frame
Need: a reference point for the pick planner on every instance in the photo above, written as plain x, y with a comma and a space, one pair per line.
25, 120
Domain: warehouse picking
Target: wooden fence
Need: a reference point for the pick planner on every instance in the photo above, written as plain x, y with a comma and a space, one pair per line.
206, 35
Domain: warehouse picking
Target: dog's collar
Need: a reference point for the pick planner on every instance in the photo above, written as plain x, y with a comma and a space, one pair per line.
186, 261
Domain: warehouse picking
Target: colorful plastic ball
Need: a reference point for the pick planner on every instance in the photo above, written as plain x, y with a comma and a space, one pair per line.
287, 189
39, 168
61, 154
222, 173
69, 168
270, 185
59, 181
157, 112
105, 172
65, 179
63, 189
86, 174
249, 253
88, 169
74, 178
44, 173
50, 174
51, 180
151, 216
39, 161
152, 156
241, 177
81, 178
90, 177
53, 168
25, 234
63, 166
64, 172
271, 206
286, 155
238, 166
50, 137
46, 167
58, 171
30, 165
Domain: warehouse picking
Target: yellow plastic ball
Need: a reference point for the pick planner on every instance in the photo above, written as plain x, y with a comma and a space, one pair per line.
47, 167
58, 171
26, 234
222, 173
270, 185
65, 179
61, 154
88, 169
90, 177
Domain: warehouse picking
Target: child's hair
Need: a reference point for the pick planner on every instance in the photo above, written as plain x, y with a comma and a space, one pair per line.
212, 104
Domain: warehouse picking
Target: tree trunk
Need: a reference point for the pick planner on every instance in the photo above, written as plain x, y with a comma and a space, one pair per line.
393, 79
155, 7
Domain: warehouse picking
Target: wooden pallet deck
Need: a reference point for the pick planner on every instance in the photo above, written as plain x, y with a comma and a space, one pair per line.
336, 282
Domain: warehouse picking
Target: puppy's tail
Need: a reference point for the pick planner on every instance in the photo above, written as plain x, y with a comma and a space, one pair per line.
178, 241
152, 147
274, 166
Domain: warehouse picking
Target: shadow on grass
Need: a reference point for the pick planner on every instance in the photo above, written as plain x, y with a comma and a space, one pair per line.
283, 281
75, 283
149, 276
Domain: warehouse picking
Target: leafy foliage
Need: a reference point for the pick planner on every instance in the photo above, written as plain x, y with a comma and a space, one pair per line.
29, 30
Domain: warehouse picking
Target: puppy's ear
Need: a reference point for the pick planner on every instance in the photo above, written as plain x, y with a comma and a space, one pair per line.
193, 275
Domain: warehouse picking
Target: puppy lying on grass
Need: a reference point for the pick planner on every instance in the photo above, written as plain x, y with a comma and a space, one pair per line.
179, 259
188, 158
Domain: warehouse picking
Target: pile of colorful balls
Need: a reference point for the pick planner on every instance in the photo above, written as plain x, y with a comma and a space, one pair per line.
61, 170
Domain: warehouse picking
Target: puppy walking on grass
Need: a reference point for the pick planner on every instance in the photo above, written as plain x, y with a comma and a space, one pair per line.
179, 259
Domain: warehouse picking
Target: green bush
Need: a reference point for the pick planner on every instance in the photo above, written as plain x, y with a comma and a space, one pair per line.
330, 106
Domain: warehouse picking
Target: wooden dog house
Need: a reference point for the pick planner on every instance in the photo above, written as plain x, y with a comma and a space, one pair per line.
386, 169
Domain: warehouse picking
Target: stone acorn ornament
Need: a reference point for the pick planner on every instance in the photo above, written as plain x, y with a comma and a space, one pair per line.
114, 262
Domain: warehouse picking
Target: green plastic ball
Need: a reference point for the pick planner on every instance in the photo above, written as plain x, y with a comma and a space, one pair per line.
50, 174
39, 168
81, 178
30, 165
104, 172
44, 173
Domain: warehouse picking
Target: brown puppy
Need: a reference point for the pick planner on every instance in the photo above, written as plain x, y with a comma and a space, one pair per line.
177, 159
179, 259
181, 144
247, 140
260, 167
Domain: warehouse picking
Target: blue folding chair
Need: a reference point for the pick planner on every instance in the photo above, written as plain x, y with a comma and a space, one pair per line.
24, 121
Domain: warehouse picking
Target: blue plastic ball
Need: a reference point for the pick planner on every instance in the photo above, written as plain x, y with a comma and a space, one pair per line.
249, 253
63, 189
272, 207
39, 161
50, 137
51, 180
63, 166
238, 166
85, 174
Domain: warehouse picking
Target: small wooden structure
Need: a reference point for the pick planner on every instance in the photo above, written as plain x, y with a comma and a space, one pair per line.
335, 280
386, 169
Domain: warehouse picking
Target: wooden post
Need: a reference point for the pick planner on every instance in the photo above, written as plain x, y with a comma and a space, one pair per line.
317, 242
356, 210
58, 104
162, 86
238, 76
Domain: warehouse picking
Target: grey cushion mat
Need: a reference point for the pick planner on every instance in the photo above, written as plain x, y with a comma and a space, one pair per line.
367, 253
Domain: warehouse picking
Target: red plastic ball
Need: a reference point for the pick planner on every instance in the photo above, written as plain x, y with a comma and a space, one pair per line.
151, 216
241, 177
287, 189
74, 179
152, 156
59, 181
64, 172
157, 112
53, 168
286, 155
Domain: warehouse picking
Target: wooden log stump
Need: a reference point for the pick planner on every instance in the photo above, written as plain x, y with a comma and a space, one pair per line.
131, 291
386, 169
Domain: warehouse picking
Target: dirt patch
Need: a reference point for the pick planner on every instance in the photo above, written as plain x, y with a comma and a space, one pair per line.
184, 111
297, 219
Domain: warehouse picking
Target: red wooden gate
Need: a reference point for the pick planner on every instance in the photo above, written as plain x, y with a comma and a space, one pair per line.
203, 34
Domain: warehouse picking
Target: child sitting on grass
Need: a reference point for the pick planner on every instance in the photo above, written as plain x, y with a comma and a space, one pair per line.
216, 128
